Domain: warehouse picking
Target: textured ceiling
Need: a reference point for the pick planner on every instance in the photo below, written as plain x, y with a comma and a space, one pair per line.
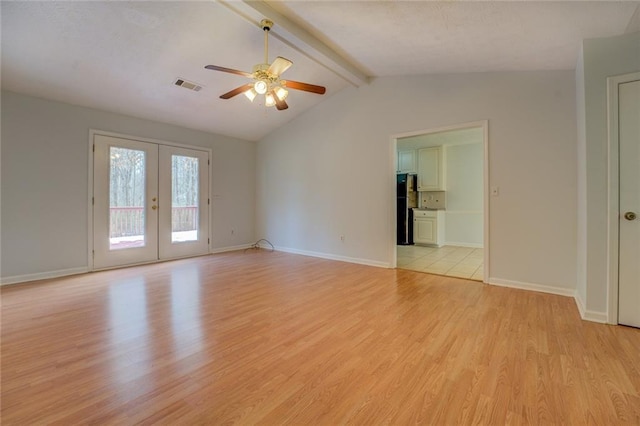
124, 56
388, 38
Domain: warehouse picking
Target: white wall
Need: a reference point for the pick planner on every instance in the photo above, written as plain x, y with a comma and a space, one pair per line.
330, 172
45, 189
463, 217
602, 58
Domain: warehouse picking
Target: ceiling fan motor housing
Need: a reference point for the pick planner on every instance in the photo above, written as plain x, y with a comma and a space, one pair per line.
261, 72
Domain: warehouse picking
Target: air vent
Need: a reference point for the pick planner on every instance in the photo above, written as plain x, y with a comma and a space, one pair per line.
188, 85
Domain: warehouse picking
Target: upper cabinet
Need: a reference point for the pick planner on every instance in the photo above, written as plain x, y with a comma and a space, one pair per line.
431, 169
407, 161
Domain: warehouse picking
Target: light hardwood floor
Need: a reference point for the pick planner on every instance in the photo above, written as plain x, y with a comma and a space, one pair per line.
275, 338
452, 261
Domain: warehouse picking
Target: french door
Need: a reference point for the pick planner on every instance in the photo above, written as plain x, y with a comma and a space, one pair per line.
150, 202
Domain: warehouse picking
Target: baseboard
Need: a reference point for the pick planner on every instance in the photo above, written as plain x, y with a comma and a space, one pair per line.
16, 279
470, 245
334, 257
587, 315
595, 317
75, 271
561, 291
230, 248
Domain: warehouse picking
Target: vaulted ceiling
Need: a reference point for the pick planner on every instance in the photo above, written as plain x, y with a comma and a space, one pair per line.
124, 57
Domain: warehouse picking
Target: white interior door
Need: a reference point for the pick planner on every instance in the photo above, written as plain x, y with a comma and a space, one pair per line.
125, 188
183, 209
629, 226
150, 202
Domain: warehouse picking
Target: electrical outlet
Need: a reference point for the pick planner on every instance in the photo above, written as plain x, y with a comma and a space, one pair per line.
233, 231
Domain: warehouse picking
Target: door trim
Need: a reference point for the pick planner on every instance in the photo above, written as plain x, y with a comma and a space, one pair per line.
484, 125
92, 134
613, 207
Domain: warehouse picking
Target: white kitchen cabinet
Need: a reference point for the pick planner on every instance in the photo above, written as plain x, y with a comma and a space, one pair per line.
425, 231
407, 161
431, 169
428, 227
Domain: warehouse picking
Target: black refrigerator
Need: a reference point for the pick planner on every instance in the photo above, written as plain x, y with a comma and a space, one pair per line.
406, 199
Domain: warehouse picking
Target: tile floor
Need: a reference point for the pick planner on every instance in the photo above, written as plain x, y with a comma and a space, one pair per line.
462, 262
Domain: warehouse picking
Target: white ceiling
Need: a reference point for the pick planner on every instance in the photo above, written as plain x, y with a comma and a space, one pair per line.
124, 56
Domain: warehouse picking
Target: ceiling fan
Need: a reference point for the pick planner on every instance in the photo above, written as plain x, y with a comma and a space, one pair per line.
266, 78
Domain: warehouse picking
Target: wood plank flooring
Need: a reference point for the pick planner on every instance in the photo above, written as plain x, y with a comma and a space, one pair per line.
274, 338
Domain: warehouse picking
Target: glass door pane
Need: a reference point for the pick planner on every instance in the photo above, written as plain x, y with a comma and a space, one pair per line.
183, 228
126, 198
184, 198
125, 208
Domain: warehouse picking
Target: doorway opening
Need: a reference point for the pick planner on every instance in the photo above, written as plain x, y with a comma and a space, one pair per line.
450, 220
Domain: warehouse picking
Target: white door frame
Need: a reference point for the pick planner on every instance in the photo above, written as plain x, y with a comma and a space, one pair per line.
613, 207
92, 133
484, 124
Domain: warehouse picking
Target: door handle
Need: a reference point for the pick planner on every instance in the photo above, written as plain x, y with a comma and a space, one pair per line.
630, 216
154, 207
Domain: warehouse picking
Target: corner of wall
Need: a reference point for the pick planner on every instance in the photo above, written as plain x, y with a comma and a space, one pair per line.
599, 317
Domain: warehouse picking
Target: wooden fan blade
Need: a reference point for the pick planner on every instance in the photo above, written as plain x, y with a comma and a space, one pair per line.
237, 91
229, 70
279, 66
304, 86
280, 104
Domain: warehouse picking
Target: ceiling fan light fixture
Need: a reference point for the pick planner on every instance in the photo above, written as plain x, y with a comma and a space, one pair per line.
266, 78
281, 93
269, 100
250, 94
261, 87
